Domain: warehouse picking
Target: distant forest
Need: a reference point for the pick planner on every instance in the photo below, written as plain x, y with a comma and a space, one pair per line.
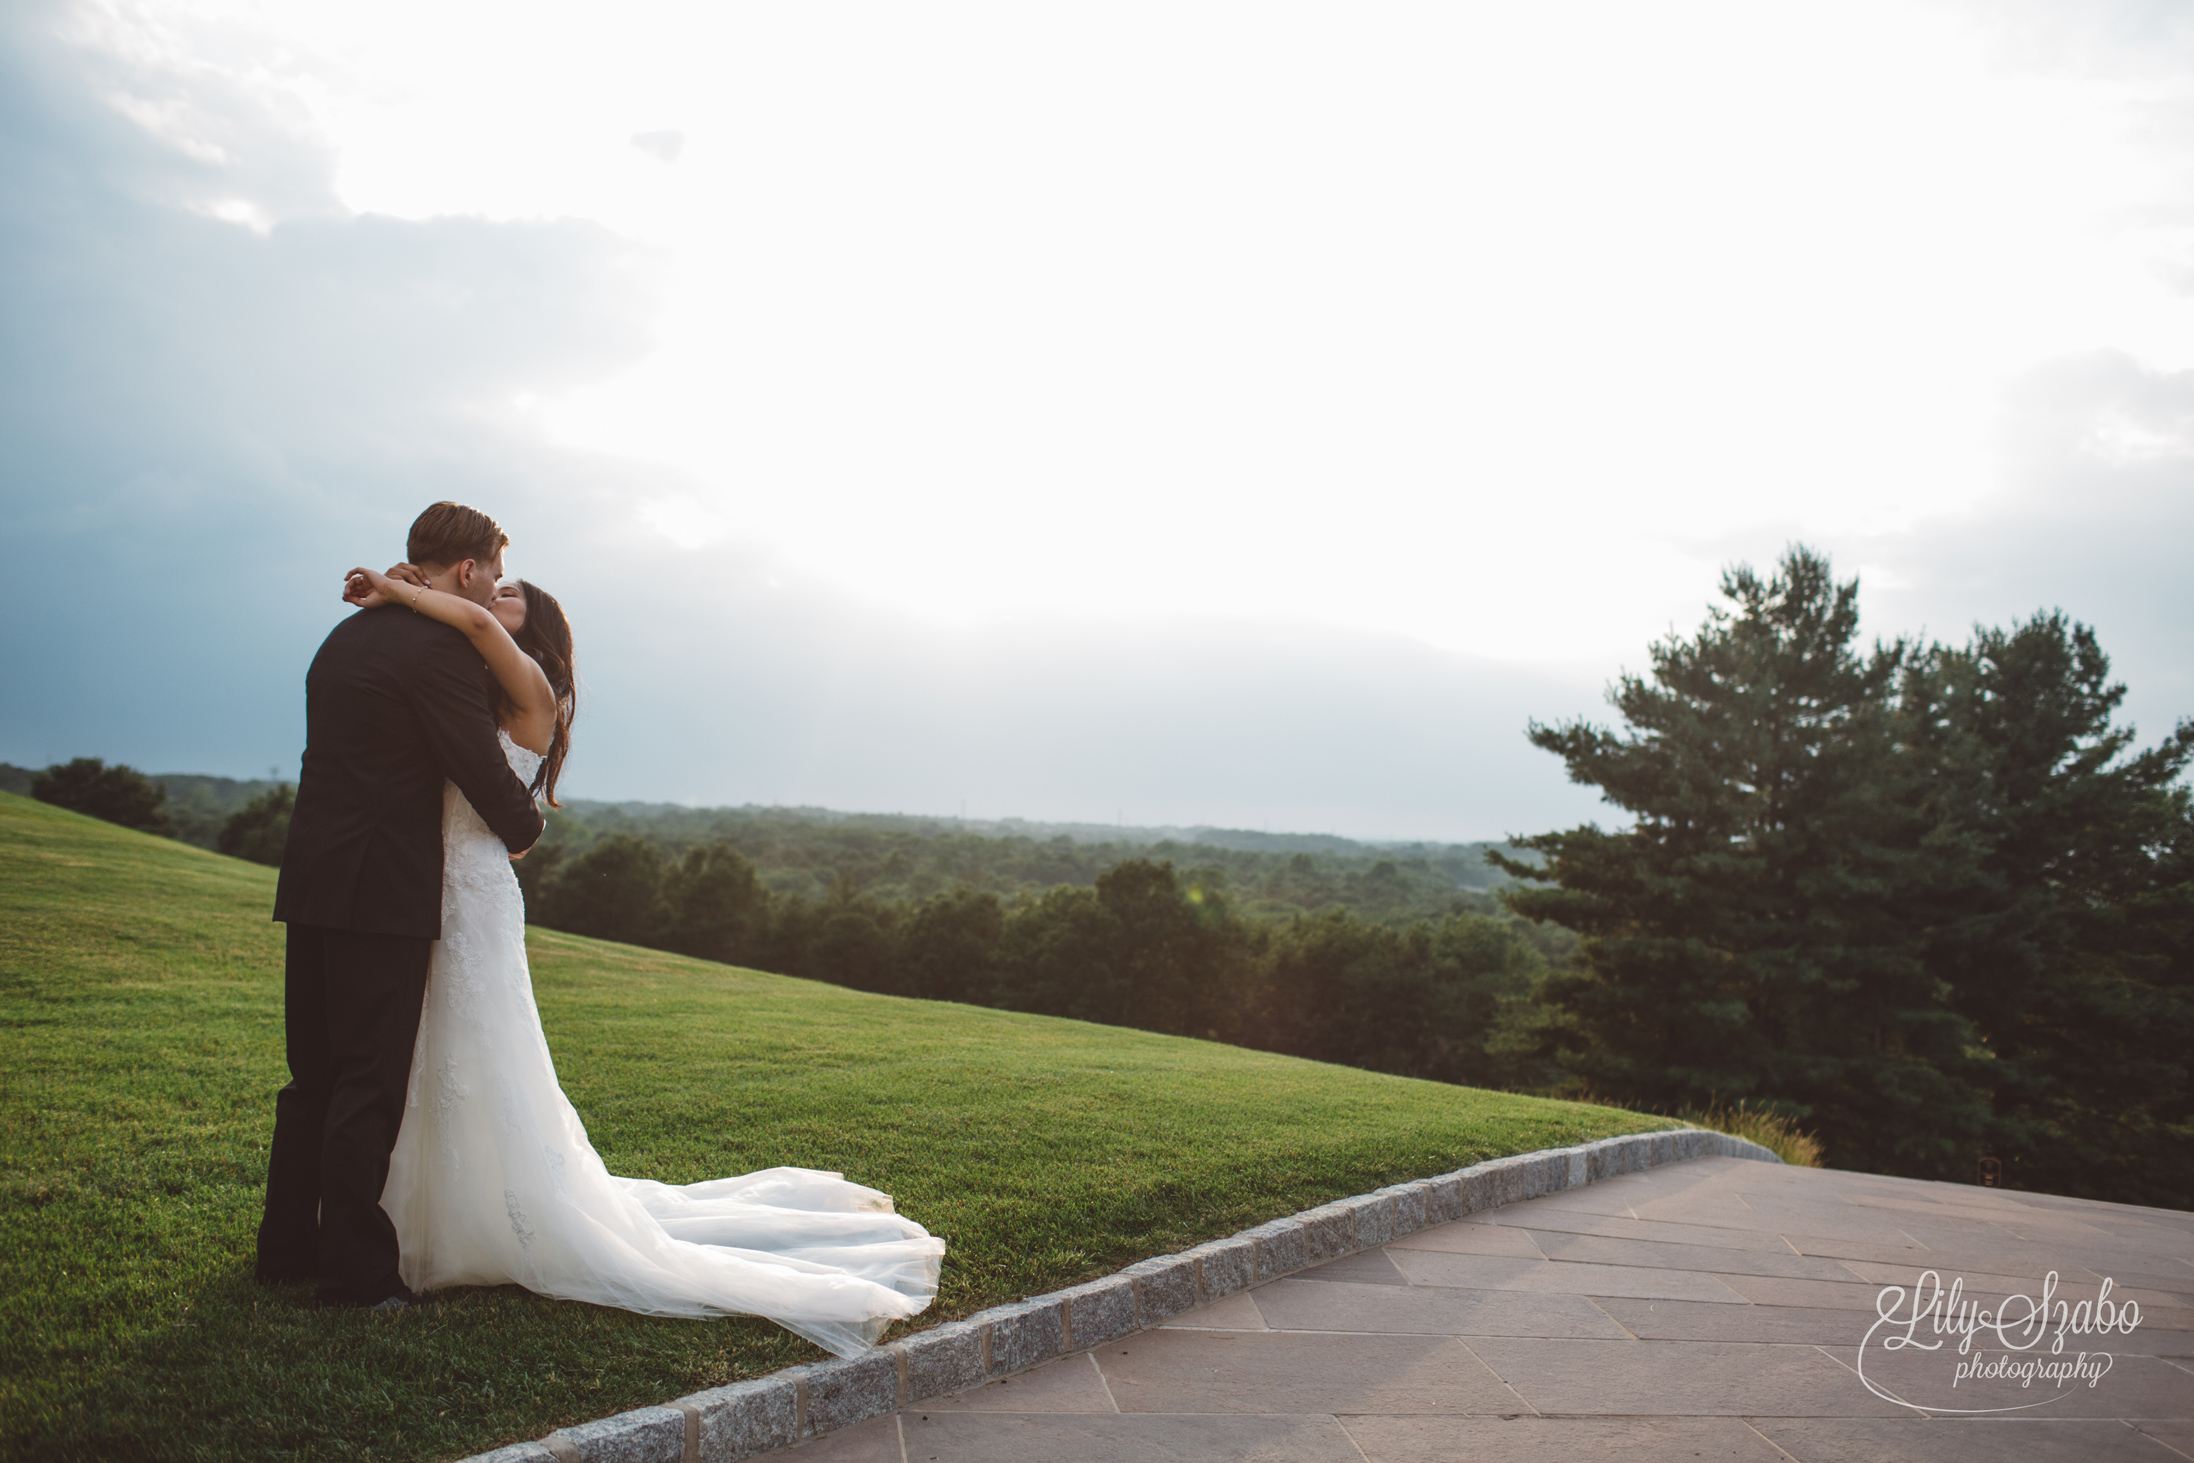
808, 853
197, 806
816, 854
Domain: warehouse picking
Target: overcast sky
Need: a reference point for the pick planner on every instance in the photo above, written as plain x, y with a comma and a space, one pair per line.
1243, 414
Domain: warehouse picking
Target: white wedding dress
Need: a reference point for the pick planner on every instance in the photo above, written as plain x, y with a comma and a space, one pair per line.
493, 1181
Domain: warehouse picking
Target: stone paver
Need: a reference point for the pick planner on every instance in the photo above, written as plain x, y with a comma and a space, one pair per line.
944, 1437
1713, 1309
1533, 1439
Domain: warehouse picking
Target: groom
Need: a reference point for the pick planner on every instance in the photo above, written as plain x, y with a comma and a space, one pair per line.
395, 703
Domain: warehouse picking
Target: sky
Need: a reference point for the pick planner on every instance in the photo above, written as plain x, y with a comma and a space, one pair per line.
1170, 414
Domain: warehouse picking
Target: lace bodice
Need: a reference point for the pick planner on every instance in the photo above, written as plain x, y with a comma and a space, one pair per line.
480, 893
522, 762
463, 830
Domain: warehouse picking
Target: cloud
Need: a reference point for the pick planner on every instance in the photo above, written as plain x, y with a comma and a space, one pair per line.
2097, 460
665, 146
762, 687
2093, 466
203, 421
219, 389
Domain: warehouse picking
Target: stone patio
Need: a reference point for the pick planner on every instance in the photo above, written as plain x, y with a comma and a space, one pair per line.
1712, 1309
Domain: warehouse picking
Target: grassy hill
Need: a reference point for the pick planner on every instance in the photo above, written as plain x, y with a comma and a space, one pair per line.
140, 1048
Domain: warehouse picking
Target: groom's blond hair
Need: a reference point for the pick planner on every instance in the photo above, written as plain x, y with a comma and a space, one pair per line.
450, 533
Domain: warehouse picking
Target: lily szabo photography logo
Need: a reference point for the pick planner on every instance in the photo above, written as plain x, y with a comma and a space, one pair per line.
2022, 1352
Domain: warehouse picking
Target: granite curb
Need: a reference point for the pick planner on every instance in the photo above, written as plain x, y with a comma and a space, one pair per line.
786, 1407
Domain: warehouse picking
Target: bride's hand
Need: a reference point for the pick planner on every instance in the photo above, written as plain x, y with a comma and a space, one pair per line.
366, 589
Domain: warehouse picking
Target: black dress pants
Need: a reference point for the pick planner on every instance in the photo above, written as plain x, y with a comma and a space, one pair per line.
351, 1010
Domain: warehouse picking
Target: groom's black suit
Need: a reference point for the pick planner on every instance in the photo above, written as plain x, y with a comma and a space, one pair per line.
394, 704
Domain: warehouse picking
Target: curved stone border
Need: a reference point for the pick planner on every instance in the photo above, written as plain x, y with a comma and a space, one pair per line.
800, 1402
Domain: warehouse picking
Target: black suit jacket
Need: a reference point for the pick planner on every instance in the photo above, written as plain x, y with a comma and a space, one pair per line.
394, 704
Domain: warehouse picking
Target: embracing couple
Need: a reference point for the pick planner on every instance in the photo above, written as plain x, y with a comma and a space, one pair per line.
423, 1140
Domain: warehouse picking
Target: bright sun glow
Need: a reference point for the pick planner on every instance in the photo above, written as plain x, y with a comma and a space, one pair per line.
1369, 315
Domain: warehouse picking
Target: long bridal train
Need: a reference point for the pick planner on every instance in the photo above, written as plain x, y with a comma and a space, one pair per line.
494, 1182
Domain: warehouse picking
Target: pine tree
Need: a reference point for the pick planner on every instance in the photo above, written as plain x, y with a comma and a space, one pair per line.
1753, 935
2063, 893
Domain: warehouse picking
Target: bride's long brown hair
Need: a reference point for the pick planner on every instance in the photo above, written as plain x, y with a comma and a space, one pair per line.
546, 636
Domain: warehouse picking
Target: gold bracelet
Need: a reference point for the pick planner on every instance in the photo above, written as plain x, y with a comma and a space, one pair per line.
416, 592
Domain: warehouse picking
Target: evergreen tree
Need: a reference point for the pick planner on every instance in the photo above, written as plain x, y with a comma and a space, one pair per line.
1752, 936
2065, 908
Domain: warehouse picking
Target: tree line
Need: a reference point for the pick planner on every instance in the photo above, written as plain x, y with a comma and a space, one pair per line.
892, 858
1145, 945
242, 819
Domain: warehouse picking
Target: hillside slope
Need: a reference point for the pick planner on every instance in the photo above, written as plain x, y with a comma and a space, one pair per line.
140, 1048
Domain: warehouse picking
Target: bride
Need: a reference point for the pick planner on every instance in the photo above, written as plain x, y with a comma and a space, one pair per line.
493, 1181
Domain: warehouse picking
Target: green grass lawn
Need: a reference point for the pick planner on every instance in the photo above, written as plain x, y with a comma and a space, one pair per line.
141, 1046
